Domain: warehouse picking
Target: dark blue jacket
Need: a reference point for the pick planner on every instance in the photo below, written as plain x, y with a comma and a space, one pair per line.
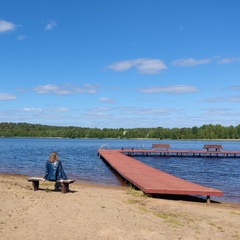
54, 171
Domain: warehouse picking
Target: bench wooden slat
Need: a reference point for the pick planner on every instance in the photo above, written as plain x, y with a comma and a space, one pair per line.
164, 145
32, 179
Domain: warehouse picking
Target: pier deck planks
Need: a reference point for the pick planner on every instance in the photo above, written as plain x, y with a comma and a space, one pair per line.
151, 180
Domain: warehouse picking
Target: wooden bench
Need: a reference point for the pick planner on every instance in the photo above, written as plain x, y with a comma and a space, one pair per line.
65, 183
125, 149
167, 146
216, 147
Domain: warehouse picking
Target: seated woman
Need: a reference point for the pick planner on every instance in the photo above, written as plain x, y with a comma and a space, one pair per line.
54, 170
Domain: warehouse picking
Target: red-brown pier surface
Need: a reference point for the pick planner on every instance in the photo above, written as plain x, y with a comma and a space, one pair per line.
151, 180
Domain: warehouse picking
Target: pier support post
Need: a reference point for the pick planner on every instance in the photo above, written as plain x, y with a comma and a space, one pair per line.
208, 199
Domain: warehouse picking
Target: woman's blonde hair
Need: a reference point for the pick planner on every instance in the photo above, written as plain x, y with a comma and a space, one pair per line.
53, 157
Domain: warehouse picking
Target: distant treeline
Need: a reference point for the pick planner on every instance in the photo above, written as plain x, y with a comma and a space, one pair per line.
37, 130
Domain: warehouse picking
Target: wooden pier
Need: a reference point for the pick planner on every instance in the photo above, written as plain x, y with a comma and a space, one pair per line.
181, 153
151, 180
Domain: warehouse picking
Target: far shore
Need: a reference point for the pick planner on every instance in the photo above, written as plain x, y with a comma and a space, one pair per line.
144, 139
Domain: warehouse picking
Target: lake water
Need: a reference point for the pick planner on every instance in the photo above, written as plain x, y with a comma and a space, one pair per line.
80, 160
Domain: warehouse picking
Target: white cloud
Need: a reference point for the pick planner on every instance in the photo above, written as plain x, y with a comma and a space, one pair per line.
232, 99
49, 88
228, 60
88, 88
51, 25
213, 100
40, 110
32, 109
235, 87
170, 89
186, 62
60, 109
6, 97
121, 66
143, 65
65, 89
148, 111
220, 112
107, 100
6, 26
96, 112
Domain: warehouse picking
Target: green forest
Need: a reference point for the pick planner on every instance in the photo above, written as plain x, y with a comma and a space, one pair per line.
37, 130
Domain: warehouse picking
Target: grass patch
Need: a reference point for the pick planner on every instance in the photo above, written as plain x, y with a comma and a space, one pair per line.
161, 215
133, 201
136, 193
174, 222
168, 218
46, 184
47, 190
143, 209
235, 213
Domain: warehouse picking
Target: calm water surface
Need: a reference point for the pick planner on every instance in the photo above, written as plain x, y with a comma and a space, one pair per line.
28, 156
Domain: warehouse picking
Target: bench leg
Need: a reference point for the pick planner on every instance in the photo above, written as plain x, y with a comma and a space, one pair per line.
65, 187
35, 185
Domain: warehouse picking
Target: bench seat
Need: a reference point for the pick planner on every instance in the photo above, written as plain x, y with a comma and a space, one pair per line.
164, 145
216, 147
65, 183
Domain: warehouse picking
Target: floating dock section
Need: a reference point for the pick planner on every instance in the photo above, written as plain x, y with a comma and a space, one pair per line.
151, 180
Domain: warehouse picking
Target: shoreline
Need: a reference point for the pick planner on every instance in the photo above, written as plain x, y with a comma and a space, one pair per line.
125, 187
151, 139
94, 211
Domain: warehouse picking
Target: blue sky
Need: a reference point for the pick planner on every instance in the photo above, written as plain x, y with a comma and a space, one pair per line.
114, 64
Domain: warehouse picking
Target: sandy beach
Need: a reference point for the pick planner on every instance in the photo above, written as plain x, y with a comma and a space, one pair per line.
92, 211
